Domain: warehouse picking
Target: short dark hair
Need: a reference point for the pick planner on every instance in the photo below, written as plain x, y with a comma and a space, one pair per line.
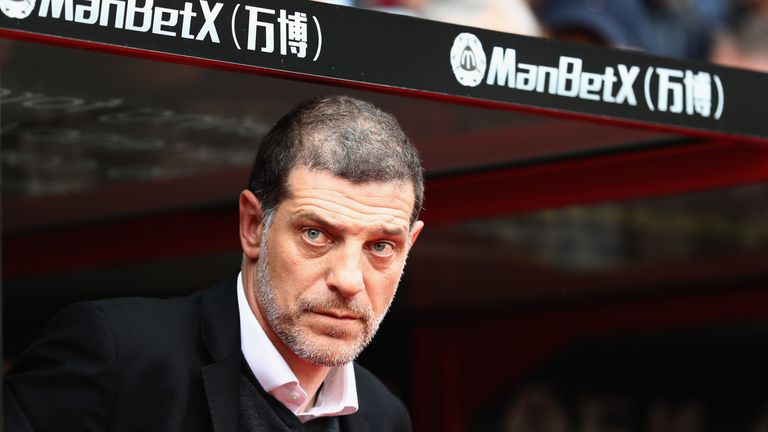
344, 136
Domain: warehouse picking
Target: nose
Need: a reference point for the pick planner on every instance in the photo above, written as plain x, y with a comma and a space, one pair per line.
346, 272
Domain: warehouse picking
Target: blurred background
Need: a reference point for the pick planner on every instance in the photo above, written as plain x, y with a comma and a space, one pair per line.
573, 276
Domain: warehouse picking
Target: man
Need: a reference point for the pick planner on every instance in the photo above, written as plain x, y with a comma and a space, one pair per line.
325, 226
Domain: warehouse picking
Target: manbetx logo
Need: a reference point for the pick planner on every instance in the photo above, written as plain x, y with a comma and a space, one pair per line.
146, 17
677, 92
270, 31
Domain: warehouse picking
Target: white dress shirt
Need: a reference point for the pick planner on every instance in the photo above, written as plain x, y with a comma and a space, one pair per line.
338, 394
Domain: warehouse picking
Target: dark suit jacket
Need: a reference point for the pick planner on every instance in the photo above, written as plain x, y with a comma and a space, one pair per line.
152, 365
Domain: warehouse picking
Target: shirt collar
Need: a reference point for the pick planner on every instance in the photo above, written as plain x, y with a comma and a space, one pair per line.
338, 394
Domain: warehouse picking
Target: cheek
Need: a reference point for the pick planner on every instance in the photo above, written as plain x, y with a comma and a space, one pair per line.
292, 273
382, 289
283, 270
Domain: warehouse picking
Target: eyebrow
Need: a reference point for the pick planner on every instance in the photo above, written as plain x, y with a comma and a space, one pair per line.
315, 218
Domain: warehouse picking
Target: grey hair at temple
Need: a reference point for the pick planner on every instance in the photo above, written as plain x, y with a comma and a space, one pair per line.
344, 136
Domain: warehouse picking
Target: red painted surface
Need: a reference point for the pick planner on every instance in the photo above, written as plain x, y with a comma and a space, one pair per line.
636, 174
137, 200
96, 245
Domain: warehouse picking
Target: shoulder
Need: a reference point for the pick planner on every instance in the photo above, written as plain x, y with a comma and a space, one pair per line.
167, 328
107, 326
123, 329
145, 312
87, 361
130, 320
377, 402
157, 315
100, 361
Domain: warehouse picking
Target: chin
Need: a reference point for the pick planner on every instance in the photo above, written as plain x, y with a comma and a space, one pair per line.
329, 351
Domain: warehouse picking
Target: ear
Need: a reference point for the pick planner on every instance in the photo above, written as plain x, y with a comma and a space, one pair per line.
415, 231
251, 224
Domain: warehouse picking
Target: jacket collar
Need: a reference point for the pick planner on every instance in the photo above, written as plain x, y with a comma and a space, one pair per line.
221, 321
220, 324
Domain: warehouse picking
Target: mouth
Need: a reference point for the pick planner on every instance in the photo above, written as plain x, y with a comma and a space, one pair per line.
339, 315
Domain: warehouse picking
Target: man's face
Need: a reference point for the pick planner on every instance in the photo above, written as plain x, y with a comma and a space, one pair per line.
330, 263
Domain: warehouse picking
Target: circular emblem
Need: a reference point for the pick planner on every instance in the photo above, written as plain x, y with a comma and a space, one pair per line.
17, 8
468, 59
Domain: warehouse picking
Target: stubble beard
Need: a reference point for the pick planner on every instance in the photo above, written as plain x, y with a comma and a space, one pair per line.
285, 321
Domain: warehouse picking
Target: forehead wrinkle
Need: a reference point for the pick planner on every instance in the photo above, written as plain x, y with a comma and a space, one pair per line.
362, 206
347, 204
359, 196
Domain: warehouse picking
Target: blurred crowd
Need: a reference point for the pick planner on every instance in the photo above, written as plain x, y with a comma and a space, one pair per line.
730, 32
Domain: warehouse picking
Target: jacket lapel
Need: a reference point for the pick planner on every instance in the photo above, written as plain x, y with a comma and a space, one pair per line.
221, 334
354, 423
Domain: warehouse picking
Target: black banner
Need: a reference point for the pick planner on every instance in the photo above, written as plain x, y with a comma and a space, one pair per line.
413, 55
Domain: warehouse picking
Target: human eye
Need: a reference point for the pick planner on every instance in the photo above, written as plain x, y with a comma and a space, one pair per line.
314, 236
382, 248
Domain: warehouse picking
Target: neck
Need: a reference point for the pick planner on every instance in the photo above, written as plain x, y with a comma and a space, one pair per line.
310, 375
